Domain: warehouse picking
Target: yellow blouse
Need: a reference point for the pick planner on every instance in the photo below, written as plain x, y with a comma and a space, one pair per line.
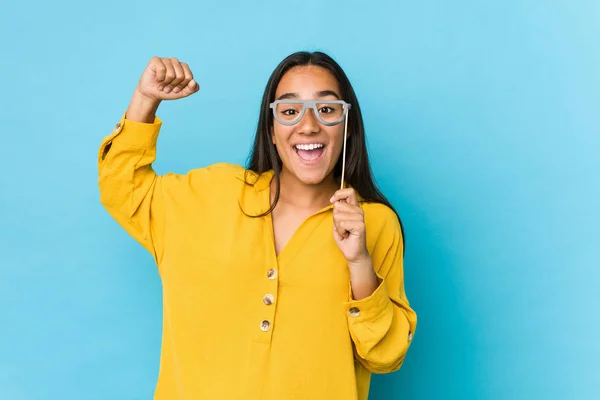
239, 321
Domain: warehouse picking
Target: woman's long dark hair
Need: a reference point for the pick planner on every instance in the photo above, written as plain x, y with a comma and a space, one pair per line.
264, 156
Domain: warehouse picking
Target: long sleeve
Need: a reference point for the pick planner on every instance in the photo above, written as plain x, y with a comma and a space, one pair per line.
129, 187
382, 325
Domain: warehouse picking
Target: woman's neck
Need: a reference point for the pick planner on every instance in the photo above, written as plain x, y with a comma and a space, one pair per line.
299, 195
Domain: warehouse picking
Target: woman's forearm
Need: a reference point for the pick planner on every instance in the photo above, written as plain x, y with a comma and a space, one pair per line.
141, 108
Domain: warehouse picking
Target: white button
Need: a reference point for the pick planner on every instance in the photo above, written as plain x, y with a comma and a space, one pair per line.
117, 126
268, 299
265, 325
354, 312
272, 274
409, 336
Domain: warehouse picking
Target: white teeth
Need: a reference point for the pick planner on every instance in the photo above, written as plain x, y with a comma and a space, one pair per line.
311, 146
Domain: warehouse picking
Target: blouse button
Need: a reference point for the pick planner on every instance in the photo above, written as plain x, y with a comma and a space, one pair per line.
272, 274
265, 325
268, 299
354, 312
410, 336
117, 126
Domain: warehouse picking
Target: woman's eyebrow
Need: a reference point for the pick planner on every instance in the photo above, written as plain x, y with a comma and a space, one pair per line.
324, 93
288, 96
319, 94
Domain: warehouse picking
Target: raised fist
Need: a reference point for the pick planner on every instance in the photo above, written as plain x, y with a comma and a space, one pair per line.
167, 79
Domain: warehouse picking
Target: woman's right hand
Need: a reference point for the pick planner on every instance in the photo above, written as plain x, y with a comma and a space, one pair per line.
163, 79
167, 79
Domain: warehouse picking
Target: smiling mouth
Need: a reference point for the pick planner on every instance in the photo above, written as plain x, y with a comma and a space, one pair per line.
309, 154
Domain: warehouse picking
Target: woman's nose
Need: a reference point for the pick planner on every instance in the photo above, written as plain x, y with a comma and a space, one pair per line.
309, 122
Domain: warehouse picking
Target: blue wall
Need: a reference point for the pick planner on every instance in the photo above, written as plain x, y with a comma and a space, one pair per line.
483, 125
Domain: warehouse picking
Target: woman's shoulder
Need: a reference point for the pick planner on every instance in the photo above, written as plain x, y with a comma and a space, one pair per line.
221, 172
219, 175
220, 168
384, 229
381, 218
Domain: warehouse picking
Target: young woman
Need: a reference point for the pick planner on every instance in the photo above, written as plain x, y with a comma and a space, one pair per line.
278, 284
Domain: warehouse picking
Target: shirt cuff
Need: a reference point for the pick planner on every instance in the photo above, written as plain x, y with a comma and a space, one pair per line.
370, 308
135, 134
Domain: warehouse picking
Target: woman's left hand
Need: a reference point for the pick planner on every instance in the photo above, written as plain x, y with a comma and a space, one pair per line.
349, 226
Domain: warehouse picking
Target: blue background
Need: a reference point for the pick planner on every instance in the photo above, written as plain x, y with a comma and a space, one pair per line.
483, 125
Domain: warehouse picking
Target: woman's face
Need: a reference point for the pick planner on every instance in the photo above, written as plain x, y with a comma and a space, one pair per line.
308, 166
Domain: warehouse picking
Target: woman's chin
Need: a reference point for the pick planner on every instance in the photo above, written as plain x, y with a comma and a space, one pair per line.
314, 177
309, 174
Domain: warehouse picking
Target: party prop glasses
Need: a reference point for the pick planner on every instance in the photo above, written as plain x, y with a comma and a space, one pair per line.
328, 112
